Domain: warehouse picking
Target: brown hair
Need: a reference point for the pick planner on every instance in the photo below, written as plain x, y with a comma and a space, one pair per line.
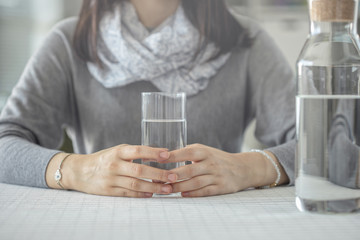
210, 17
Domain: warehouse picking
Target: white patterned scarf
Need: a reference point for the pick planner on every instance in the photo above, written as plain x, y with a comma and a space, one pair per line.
164, 56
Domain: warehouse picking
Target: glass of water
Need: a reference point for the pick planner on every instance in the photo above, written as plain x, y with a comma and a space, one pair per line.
163, 124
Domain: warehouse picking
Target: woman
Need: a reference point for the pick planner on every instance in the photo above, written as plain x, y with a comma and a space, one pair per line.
88, 76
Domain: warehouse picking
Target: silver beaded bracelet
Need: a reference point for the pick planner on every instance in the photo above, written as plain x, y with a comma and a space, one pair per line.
58, 175
273, 163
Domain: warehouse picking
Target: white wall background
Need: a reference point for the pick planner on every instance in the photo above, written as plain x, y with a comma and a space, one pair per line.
23, 26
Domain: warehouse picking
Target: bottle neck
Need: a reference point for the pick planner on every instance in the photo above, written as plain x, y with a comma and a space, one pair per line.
333, 28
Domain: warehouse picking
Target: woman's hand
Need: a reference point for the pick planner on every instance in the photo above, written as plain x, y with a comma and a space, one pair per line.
111, 172
215, 172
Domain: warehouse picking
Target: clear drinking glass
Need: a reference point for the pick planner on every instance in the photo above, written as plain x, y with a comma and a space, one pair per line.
328, 110
164, 123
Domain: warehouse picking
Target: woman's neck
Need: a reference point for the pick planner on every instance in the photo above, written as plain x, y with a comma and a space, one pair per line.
153, 12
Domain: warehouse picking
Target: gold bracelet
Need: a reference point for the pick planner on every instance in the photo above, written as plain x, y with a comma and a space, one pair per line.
58, 175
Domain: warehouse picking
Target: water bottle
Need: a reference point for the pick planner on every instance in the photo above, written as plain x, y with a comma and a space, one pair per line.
328, 110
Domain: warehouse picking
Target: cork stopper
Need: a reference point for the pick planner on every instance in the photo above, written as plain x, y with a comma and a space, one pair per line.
333, 10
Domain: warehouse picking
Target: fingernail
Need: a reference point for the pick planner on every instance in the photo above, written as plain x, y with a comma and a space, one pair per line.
148, 195
172, 177
185, 194
166, 189
165, 155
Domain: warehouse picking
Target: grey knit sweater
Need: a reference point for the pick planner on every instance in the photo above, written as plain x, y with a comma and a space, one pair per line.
57, 92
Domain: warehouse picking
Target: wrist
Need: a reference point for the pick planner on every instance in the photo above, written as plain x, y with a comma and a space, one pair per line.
254, 169
273, 174
268, 169
260, 170
67, 170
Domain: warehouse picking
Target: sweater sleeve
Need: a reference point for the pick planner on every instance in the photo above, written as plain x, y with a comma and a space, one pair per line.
32, 121
273, 100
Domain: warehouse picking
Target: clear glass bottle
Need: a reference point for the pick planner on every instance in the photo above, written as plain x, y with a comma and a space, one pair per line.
328, 110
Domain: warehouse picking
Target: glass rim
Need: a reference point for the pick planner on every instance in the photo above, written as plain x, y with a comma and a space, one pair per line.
163, 93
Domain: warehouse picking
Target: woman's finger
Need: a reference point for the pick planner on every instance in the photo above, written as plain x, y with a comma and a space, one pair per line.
203, 192
145, 172
192, 170
123, 192
193, 154
131, 152
193, 183
139, 185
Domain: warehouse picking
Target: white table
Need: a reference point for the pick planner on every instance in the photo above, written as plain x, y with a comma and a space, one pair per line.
33, 213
